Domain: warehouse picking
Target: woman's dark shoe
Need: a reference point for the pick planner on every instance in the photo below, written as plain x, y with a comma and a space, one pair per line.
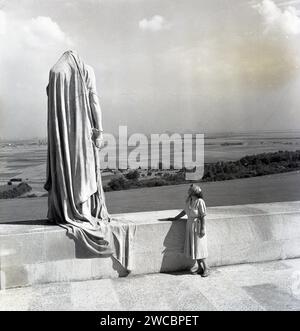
199, 271
205, 273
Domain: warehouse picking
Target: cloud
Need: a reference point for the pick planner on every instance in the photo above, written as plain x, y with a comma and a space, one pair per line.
28, 49
155, 23
289, 2
43, 32
279, 20
39, 33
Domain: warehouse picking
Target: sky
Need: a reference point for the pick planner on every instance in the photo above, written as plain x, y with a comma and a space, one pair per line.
161, 65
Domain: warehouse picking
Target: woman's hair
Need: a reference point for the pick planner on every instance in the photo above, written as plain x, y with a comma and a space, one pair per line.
196, 191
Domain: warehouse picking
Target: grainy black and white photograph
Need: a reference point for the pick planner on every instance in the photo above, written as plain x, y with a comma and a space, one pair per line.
149, 157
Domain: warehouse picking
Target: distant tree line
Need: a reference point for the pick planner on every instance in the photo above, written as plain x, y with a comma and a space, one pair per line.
132, 180
248, 166
11, 192
253, 165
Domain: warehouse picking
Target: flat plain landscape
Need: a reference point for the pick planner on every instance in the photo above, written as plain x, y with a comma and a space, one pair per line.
28, 160
272, 188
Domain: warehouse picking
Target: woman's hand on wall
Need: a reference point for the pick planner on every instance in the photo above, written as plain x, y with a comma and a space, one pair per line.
178, 217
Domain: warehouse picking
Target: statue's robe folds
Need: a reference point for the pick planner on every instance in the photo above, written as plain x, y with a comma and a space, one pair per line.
75, 195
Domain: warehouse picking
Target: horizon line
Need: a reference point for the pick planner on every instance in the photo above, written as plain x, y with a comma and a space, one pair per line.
168, 132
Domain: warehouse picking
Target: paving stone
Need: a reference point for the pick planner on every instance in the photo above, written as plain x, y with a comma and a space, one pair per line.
266, 286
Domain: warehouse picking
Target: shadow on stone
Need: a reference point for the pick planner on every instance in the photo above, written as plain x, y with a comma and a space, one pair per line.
173, 257
81, 252
122, 272
31, 222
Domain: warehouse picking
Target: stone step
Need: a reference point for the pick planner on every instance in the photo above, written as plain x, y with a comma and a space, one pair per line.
33, 252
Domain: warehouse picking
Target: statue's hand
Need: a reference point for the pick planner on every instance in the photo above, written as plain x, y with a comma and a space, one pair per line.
98, 140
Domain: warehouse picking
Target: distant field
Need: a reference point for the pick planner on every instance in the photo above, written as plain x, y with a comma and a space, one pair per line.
272, 188
29, 162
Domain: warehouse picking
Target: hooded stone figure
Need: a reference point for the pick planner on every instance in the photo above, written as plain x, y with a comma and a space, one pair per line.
75, 195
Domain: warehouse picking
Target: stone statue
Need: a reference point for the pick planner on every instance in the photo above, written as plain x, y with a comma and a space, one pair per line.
75, 195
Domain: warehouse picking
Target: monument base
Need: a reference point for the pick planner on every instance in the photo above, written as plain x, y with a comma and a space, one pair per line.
34, 252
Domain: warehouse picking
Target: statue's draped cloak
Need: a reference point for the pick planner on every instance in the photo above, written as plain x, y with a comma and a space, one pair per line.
76, 199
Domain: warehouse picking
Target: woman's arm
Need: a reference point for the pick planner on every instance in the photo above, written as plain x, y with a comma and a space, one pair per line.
176, 218
201, 218
202, 226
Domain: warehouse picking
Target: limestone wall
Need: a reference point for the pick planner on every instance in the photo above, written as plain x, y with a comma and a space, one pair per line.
33, 252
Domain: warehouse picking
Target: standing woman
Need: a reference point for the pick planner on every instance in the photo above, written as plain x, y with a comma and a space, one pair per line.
195, 238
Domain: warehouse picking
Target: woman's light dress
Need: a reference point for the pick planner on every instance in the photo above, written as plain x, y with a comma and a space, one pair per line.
195, 247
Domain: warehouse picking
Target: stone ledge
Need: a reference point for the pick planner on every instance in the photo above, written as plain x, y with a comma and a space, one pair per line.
34, 252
